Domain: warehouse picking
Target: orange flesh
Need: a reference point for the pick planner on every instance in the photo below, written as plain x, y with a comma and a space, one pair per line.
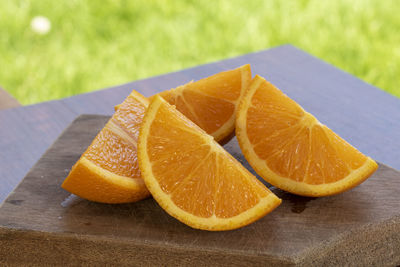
293, 143
114, 154
108, 171
211, 102
209, 113
200, 179
114, 148
228, 83
130, 115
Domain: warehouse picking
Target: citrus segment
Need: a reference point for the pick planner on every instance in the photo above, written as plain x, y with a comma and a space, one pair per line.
193, 178
130, 113
118, 151
108, 170
291, 149
211, 102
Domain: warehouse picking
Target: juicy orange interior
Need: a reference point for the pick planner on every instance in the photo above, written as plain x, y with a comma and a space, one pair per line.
114, 154
115, 147
130, 115
293, 143
208, 112
209, 102
227, 83
200, 177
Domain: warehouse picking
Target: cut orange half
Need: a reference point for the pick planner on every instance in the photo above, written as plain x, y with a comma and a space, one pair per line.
291, 149
193, 178
211, 102
108, 170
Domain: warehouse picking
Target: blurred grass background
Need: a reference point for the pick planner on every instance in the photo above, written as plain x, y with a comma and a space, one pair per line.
95, 44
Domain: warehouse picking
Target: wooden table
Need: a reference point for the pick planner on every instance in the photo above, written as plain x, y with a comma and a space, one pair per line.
364, 115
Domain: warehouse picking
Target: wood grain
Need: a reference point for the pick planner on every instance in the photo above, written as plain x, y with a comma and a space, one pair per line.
363, 115
7, 101
41, 223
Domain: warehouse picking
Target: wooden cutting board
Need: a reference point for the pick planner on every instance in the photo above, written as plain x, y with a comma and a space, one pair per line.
40, 223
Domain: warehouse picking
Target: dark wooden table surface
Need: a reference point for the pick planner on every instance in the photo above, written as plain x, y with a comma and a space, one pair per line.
365, 116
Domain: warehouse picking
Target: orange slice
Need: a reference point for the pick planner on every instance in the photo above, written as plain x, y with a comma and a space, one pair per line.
193, 178
291, 149
211, 102
108, 170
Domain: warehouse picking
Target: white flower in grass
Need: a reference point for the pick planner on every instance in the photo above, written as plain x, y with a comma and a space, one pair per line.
40, 25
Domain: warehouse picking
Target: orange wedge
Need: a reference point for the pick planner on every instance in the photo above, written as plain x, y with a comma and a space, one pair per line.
291, 149
108, 170
193, 178
211, 102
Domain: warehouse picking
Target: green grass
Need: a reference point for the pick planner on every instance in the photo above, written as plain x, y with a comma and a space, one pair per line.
95, 44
